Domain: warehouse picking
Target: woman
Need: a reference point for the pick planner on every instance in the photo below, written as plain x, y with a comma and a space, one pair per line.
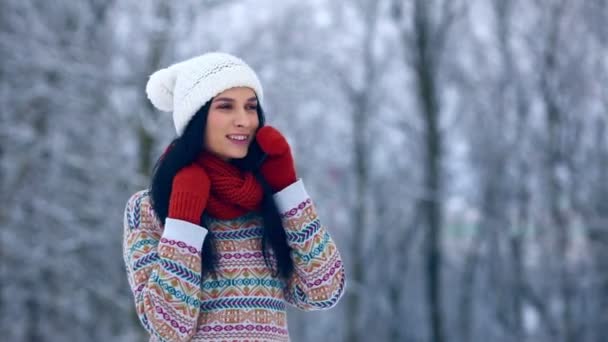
226, 234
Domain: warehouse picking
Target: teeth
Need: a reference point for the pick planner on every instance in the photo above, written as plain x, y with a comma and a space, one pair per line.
237, 137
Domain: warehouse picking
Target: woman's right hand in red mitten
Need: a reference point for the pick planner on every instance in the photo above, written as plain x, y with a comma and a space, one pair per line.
189, 194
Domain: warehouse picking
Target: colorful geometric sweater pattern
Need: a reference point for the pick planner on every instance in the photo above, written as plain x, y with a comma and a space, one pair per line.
242, 301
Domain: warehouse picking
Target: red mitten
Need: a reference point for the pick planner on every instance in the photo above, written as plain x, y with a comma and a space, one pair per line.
278, 169
189, 194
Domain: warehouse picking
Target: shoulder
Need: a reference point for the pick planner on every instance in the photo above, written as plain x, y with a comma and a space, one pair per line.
139, 209
136, 200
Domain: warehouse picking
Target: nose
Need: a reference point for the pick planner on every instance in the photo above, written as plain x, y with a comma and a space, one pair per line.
242, 119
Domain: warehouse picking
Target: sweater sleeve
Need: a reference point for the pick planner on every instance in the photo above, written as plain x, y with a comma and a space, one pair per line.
318, 280
163, 269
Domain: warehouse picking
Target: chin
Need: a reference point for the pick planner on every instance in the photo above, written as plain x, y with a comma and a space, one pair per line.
229, 152
234, 157
237, 155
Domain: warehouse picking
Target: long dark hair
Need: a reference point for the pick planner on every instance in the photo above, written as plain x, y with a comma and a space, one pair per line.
183, 151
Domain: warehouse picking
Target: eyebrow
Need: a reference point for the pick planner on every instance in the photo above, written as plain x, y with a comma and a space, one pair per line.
227, 99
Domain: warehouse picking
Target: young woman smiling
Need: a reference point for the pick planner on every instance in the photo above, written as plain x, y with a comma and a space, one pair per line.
226, 234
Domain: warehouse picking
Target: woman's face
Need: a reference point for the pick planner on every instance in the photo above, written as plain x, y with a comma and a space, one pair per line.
232, 123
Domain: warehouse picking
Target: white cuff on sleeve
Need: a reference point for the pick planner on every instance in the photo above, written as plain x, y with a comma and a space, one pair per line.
291, 196
185, 231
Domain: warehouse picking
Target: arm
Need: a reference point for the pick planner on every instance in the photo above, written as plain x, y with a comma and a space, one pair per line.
163, 269
318, 279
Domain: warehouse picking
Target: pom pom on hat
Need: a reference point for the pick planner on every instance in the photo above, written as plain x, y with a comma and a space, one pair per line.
187, 86
160, 89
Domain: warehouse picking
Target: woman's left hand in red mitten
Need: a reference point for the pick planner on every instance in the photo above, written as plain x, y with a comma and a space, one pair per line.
278, 169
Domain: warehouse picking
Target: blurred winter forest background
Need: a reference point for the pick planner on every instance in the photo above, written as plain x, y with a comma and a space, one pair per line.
457, 151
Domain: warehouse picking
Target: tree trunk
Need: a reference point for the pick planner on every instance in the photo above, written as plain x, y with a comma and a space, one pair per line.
555, 161
427, 92
360, 98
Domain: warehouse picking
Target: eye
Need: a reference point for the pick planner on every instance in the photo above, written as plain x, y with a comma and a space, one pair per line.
224, 106
253, 107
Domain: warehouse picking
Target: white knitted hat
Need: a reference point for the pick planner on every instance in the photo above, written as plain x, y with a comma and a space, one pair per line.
186, 86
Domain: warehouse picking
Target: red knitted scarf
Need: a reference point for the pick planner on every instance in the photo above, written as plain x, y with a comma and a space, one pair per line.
233, 192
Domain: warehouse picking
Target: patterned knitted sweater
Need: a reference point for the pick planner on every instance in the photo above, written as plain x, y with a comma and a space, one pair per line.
243, 301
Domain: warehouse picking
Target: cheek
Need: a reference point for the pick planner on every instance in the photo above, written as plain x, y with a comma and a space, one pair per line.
256, 122
214, 129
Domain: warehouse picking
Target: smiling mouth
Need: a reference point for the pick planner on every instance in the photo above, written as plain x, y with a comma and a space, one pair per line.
239, 139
